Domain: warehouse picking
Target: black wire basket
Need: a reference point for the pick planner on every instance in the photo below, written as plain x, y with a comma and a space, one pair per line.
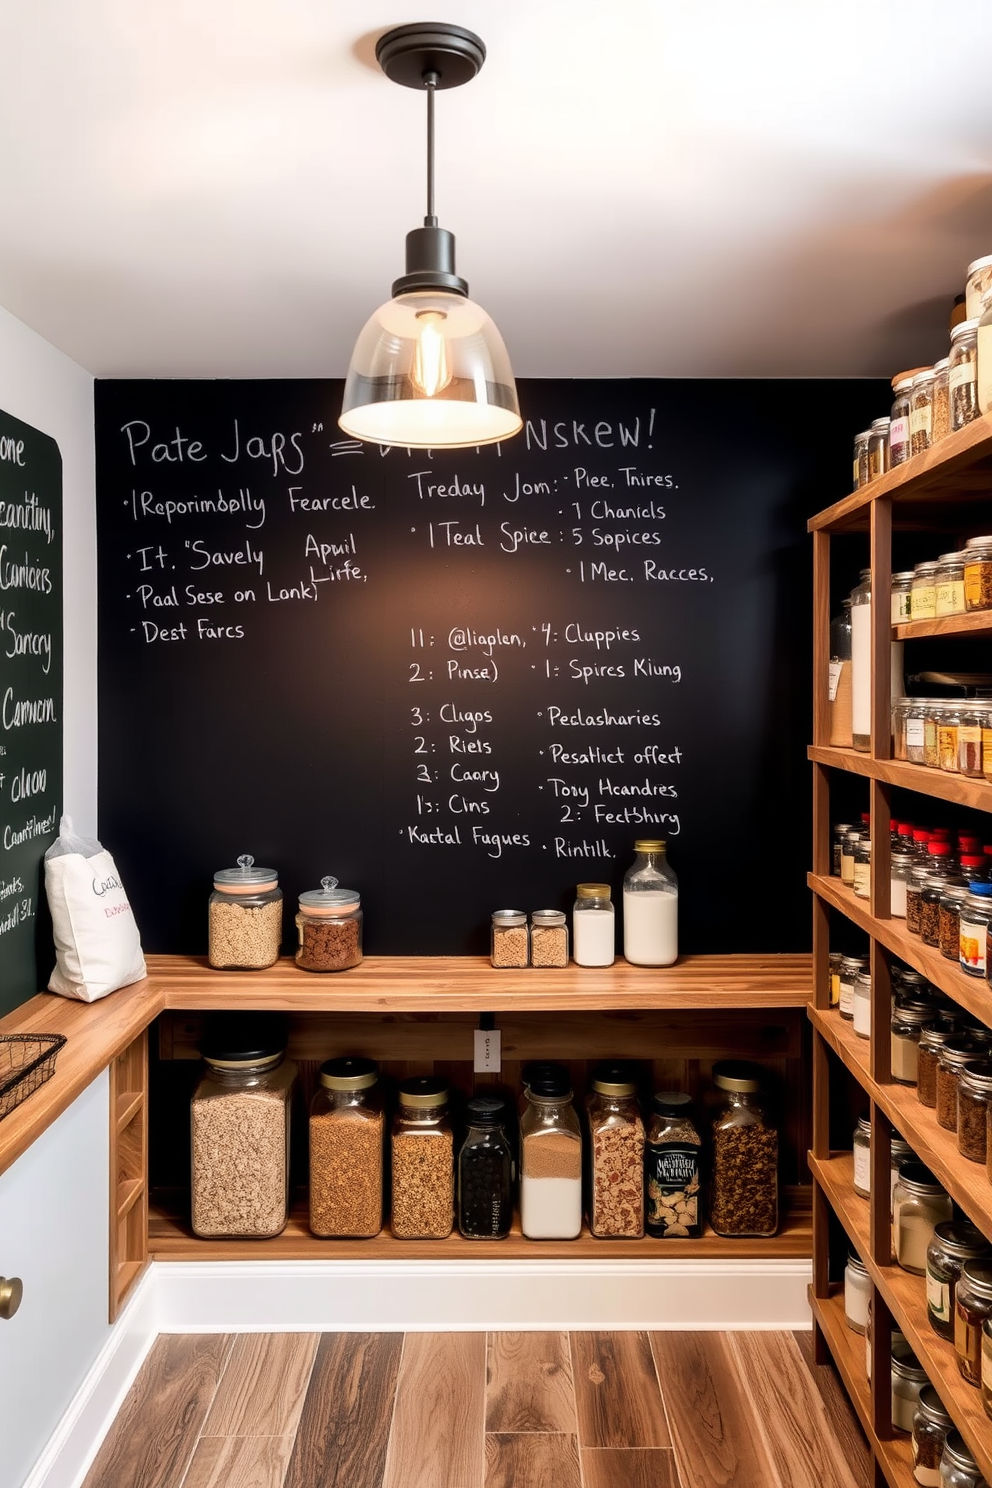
27, 1060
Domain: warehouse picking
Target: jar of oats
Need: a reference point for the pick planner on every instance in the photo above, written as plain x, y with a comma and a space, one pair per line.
548, 938
239, 1128
346, 1150
245, 917
423, 1161
510, 942
616, 1156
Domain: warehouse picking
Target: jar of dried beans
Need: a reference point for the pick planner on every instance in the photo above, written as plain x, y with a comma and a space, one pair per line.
485, 1171
953, 1243
931, 1423
548, 938
744, 1179
672, 1168
963, 373
239, 1129
974, 1095
550, 1158
616, 1156
347, 1140
972, 1305
245, 916
329, 926
510, 943
423, 1166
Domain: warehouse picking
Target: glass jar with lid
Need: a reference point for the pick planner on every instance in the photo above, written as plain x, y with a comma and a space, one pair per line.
423, 1168
550, 1158
616, 1155
650, 907
840, 831
245, 916
978, 573
963, 373
908, 1379
918, 1204
954, 1242
878, 447
839, 679
931, 728
976, 912
940, 415
902, 589
329, 928
930, 895
900, 709
907, 1027
674, 1207
510, 942
593, 926
933, 1036
923, 592
900, 1152
958, 1468
901, 865
850, 842
947, 739
857, 1293
862, 1157
862, 868
860, 474
899, 437
974, 1095
972, 1305
835, 959
548, 938
978, 287
915, 730
971, 722
914, 897
485, 1171
949, 923
861, 663
239, 1129
931, 1423
955, 1055
984, 364
849, 968
744, 1153
949, 584
862, 1005
347, 1150
921, 411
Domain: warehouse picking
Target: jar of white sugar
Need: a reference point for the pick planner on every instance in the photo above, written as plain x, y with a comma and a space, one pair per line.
650, 907
245, 917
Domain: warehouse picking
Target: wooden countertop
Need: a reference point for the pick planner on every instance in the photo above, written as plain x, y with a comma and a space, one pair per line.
98, 1032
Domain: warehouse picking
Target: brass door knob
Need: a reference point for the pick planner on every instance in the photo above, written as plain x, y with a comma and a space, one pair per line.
11, 1292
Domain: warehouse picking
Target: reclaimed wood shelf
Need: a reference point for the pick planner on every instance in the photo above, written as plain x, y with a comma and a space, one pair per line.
960, 789
974, 622
172, 1239
906, 1298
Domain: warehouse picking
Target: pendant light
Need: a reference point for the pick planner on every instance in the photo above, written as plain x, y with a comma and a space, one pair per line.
430, 370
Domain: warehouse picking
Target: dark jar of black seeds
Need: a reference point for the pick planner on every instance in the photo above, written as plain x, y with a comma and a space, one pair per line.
485, 1172
954, 1242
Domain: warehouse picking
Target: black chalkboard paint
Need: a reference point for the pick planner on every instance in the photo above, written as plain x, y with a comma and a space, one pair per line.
465, 681
31, 702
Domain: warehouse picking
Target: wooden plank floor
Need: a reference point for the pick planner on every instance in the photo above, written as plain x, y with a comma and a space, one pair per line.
471, 1410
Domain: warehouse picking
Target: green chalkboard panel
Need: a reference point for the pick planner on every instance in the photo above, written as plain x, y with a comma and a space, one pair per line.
30, 699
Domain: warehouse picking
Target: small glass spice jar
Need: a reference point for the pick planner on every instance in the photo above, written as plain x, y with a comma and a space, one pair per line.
857, 1293
347, 1150
616, 1156
953, 1243
848, 846
972, 1305
931, 726
671, 1165
840, 831
915, 730
245, 916
593, 926
548, 938
862, 1157
923, 592
940, 407
849, 968
950, 584
976, 912
423, 1168
907, 1028
878, 447
962, 377
835, 959
908, 1379
955, 1055
860, 474
899, 437
902, 587
930, 896
485, 1171
744, 1153
862, 1005
958, 1468
974, 1095
510, 942
931, 1423
920, 411
918, 1204
914, 890
862, 869
972, 720
329, 927
901, 865
978, 573
933, 1036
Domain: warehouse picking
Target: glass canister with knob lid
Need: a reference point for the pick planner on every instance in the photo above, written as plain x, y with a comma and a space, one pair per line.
329, 927
347, 1149
744, 1153
245, 917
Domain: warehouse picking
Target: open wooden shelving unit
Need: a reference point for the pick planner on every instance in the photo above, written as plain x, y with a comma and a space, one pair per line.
947, 489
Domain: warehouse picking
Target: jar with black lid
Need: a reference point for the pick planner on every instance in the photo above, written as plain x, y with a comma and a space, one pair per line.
955, 1055
931, 1423
958, 1468
907, 1027
671, 1158
485, 1171
423, 1166
972, 1305
954, 1242
347, 1150
245, 914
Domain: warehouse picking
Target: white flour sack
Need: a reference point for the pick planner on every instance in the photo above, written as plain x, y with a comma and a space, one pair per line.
97, 945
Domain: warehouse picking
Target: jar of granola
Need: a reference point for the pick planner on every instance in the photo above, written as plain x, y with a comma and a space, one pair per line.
674, 1210
616, 1156
744, 1182
548, 938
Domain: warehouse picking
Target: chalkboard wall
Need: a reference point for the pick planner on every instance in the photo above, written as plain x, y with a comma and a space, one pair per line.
467, 680
30, 700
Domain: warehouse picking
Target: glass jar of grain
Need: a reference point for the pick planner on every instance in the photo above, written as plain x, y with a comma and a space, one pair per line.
347, 1141
744, 1153
920, 411
953, 1243
548, 938
940, 416
329, 926
423, 1164
963, 373
918, 1204
616, 1155
239, 1129
510, 942
245, 917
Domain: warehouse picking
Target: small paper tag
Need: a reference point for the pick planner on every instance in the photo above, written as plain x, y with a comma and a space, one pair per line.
487, 1060
835, 669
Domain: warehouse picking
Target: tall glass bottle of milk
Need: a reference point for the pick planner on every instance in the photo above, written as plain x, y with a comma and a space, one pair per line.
650, 907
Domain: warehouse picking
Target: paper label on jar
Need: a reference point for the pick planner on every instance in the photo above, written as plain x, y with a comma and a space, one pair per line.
846, 1000
919, 420
950, 597
962, 373
938, 1298
902, 606
862, 880
836, 667
973, 585
862, 1168
972, 941
898, 432
914, 733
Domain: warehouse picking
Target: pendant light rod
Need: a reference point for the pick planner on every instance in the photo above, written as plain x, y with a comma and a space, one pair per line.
430, 83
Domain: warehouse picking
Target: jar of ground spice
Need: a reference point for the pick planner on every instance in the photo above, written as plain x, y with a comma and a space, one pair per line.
940, 415
931, 1423
347, 1141
485, 1171
918, 1204
671, 1161
963, 373
978, 573
914, 890
510, 943
616, 1156
744, 1153
974, 1095
953, 1243
907, 1028
245, 915
239, 1129
920, 411
933, 1036
423, 1168
548, 938
860, 474
972, 1305
550, 1158
955, 1055
329, 926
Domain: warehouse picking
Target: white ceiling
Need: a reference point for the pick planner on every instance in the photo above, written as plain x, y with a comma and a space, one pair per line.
648, 188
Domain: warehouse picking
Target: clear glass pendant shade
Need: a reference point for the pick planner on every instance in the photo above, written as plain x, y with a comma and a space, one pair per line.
430, 371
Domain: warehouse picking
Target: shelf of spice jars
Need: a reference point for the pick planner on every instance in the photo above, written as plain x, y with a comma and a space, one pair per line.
170, 1238
961, 789
971, 993
847, 1349
926, 488
974, 622
385, 984
906, 1298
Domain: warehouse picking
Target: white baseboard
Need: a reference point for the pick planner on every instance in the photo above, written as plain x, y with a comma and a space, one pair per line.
409, 1296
